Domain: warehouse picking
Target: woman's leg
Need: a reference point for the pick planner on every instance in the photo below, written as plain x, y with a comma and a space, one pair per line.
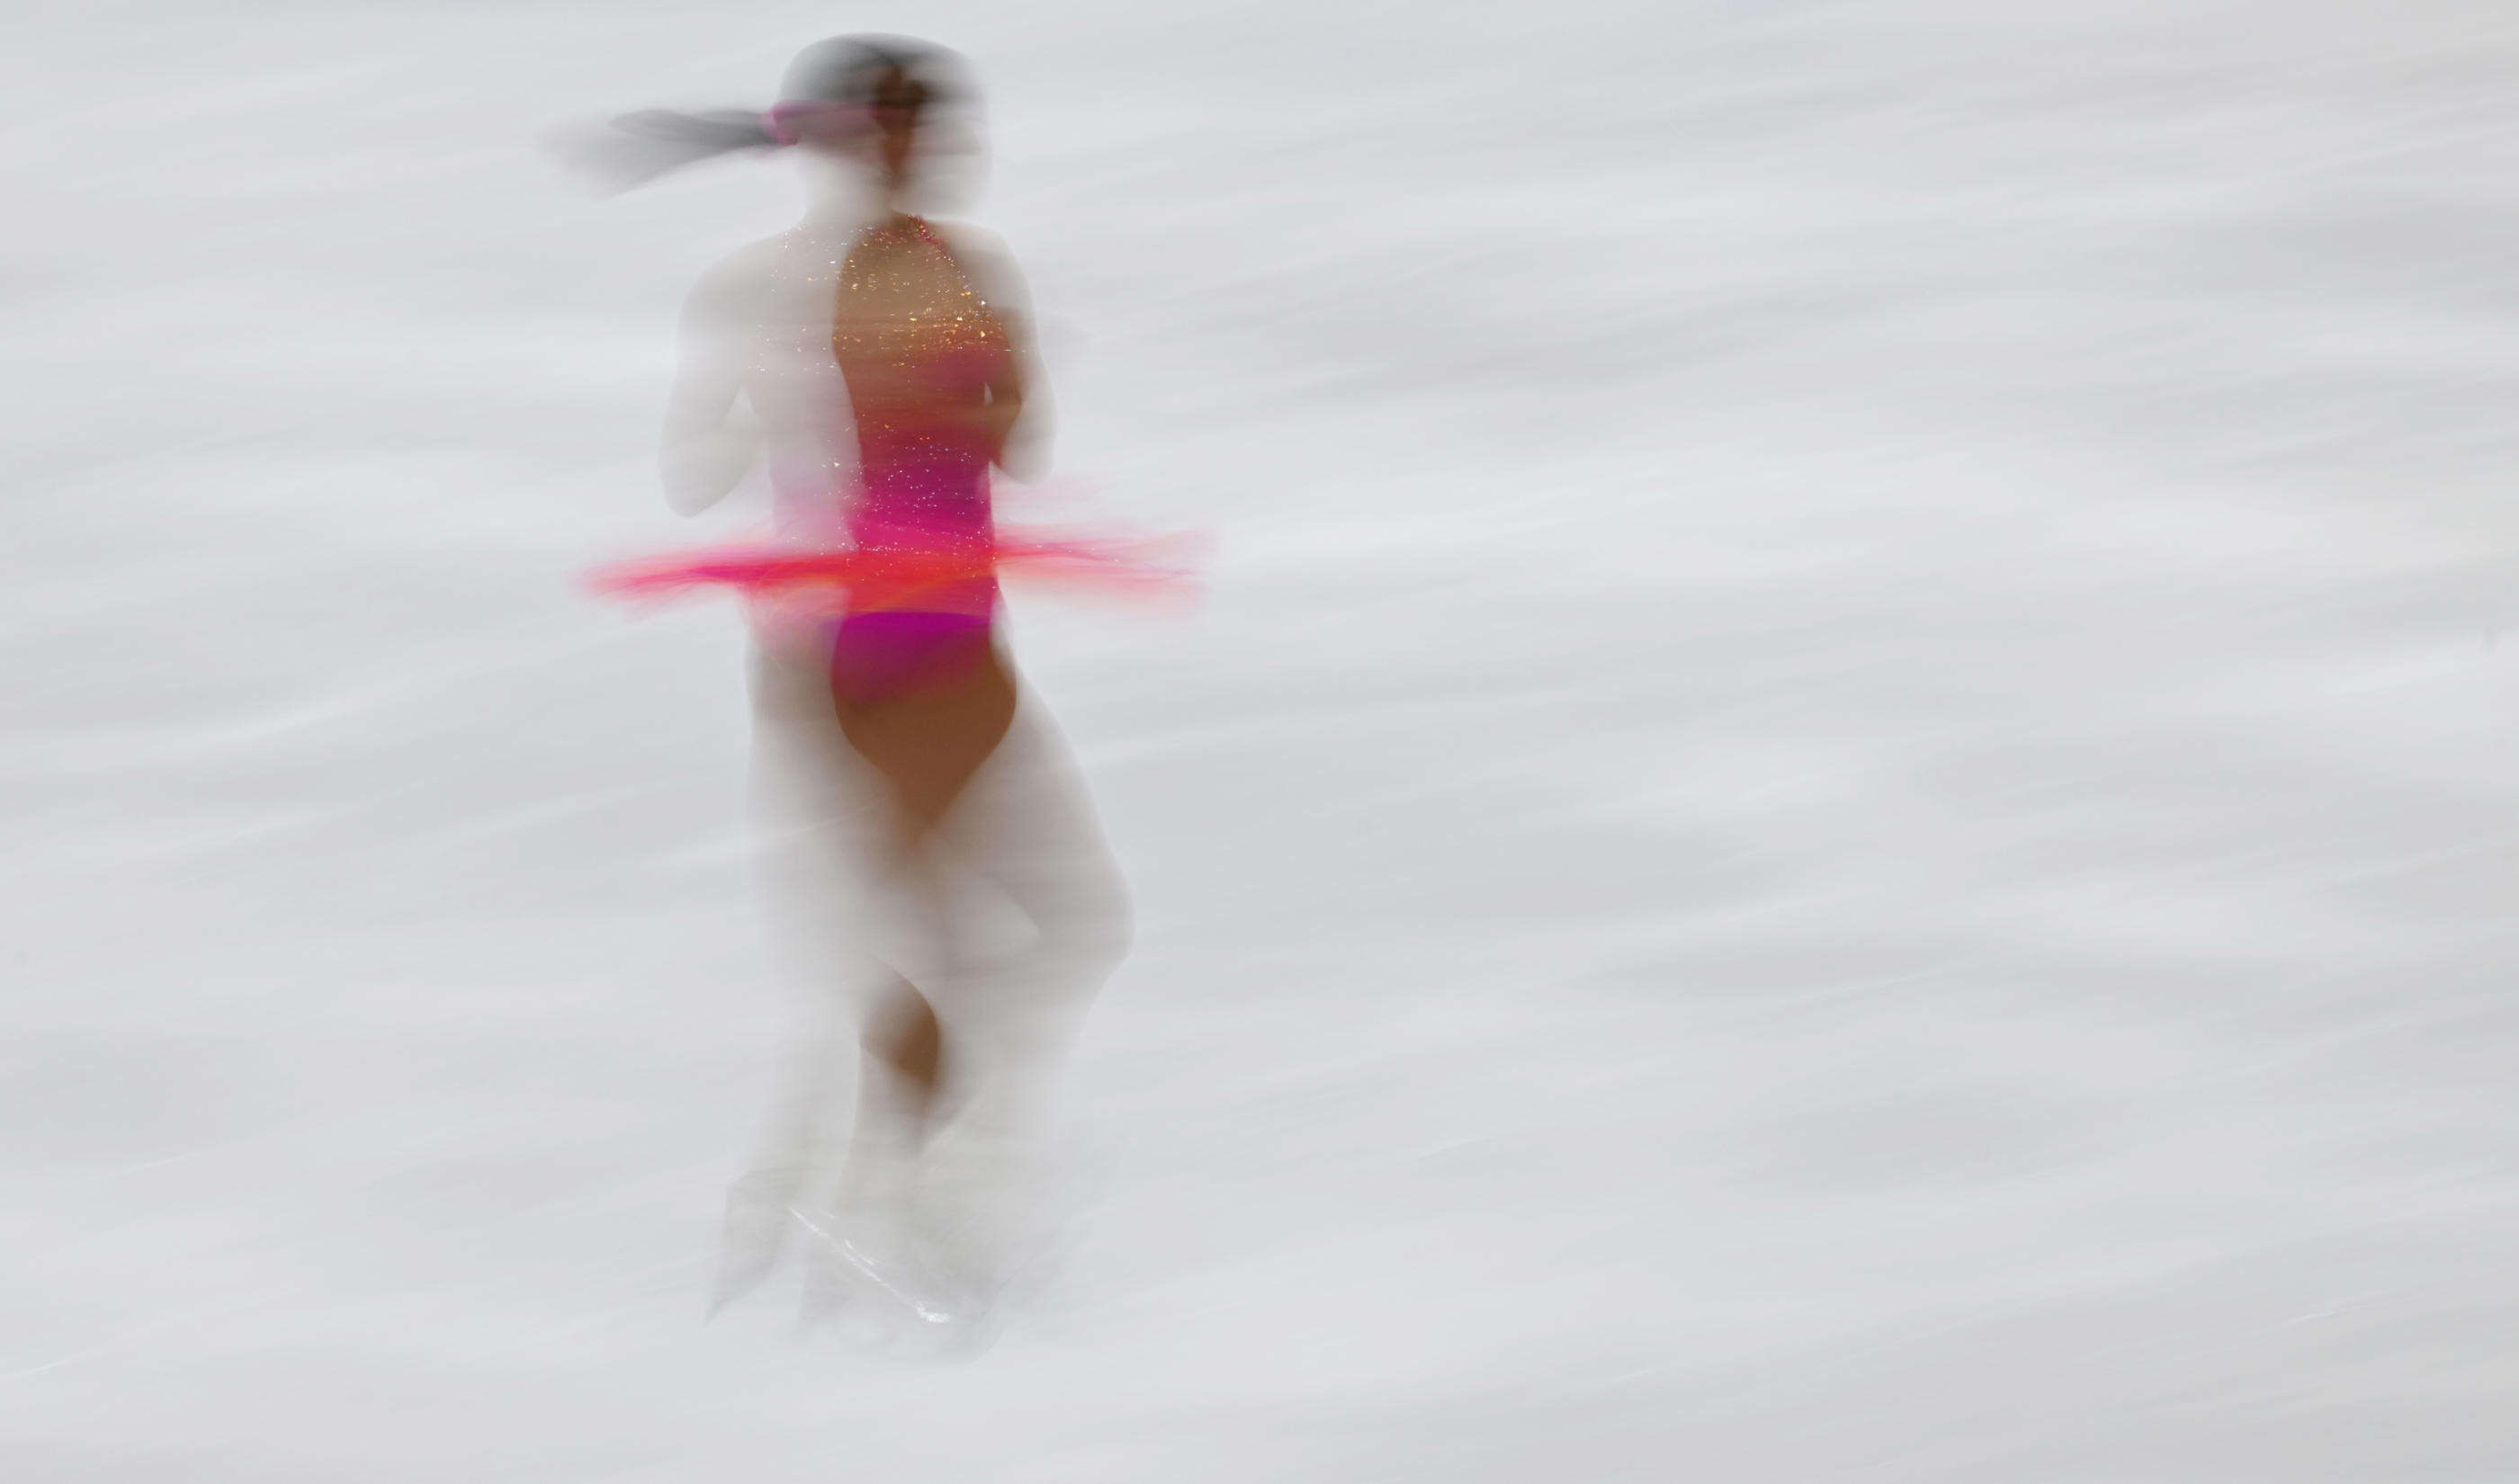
901, 1062
1026, 831
1023, 837
922, 743
816, 828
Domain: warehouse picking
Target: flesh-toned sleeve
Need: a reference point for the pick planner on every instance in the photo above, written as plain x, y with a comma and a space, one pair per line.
705, 451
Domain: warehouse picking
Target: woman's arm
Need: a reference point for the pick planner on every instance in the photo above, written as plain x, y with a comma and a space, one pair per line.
1018, 411
705, 452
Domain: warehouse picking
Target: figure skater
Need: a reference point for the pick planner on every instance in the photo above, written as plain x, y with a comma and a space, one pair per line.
937, 881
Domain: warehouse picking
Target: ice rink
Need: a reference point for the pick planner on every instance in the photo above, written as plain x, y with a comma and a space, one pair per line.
1842, 811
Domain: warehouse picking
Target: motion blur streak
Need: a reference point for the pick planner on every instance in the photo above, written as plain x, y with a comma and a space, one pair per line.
1842, 811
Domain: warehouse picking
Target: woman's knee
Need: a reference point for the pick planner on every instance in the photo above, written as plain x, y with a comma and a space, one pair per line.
904, 1035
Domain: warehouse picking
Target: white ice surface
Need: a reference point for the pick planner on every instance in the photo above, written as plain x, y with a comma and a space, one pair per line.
1843, 813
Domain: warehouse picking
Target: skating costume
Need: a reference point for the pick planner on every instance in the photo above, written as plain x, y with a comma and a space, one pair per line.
906, 600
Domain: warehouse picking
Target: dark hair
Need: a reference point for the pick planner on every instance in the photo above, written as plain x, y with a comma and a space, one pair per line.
637, 147
851, 69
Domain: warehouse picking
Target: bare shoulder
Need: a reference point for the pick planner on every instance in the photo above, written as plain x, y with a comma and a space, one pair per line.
984, 256
966, 236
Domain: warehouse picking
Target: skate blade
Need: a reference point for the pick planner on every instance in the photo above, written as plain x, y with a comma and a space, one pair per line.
932, 1305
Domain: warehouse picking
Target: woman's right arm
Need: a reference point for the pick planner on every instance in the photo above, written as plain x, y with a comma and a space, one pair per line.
706, 451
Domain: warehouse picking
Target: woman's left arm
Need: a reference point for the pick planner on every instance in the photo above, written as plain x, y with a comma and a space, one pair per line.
1018, 409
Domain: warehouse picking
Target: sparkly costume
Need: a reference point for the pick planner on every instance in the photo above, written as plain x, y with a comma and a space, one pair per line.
925, 477
909, 602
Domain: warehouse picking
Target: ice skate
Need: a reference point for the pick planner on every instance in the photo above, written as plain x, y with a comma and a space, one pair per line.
879, 1271
753, 1235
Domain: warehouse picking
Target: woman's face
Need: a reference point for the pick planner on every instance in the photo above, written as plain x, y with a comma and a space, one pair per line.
897, 104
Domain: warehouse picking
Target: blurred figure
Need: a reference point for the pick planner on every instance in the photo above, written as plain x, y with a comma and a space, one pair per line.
941, 888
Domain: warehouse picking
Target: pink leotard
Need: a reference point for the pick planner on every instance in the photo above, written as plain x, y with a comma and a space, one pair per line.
923, 492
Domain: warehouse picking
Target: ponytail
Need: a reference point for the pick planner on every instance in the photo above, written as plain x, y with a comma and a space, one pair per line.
825, 96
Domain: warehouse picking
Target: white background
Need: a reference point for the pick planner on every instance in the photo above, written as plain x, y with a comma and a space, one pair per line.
1842, 809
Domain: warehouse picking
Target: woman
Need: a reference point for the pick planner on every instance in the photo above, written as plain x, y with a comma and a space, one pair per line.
888, 368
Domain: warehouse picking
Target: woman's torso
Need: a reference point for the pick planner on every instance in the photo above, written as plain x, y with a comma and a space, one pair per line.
875, 352
871, 349
917, 347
